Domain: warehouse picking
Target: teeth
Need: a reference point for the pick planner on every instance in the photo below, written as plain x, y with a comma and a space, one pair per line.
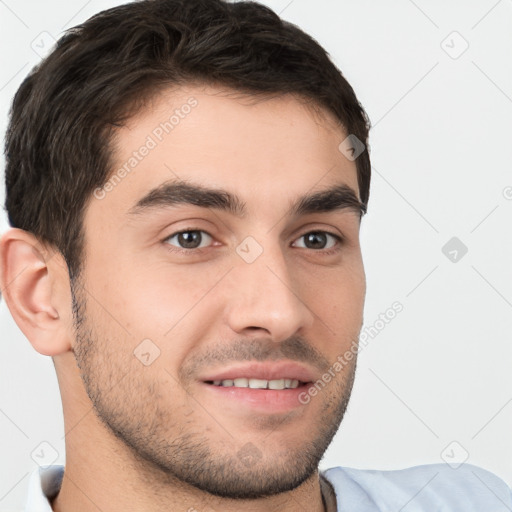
258, 383
276, 384
242, 382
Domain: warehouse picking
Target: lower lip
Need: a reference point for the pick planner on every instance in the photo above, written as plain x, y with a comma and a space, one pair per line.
266, 400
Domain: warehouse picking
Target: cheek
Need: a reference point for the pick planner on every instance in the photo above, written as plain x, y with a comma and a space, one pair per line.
337, 300
161, 297
166, 310
337, 291
144, 298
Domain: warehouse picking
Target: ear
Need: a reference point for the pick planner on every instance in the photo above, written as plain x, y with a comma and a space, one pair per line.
34, 282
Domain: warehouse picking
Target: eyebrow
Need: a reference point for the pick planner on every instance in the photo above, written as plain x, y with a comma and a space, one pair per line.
172, 193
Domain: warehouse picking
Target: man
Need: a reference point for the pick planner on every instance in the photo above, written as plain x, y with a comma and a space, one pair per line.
186, 181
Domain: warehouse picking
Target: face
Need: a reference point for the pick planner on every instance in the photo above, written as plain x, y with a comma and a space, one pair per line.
223, 281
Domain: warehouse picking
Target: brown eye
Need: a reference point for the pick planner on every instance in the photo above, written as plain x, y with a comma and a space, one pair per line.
319, 240
190, 239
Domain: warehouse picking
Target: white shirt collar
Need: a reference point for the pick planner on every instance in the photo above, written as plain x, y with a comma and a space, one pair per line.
43, 486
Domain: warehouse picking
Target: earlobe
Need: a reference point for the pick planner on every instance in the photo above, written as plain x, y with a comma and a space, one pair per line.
34, 288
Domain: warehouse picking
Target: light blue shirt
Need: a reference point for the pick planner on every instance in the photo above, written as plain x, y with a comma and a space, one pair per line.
429, 488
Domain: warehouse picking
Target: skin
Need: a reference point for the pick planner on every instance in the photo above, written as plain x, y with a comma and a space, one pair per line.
143, 437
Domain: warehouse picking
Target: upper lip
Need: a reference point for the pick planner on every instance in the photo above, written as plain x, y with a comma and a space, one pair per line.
264, 371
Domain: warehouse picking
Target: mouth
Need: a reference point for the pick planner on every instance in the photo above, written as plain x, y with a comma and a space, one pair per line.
254, 383
272, 387
275, 375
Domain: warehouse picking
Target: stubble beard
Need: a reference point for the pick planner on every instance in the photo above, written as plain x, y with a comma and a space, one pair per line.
164, 453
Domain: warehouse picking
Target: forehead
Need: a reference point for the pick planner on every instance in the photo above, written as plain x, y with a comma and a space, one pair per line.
265, 151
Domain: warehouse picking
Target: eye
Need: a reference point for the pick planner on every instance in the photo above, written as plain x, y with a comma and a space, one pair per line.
196, 239
189, 239
320, 240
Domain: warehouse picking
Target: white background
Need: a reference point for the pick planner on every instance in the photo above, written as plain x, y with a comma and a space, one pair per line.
441, 148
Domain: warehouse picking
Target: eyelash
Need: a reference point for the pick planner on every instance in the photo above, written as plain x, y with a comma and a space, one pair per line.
340, 240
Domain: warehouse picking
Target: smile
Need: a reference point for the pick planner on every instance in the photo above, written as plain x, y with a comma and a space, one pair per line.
243, 382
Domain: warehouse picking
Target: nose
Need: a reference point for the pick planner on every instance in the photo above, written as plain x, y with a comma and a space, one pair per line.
265, 296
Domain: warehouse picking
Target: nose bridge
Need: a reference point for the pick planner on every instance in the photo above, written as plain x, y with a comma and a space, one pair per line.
264, 294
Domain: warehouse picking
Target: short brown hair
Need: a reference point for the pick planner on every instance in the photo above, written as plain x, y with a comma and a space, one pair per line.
65, 111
